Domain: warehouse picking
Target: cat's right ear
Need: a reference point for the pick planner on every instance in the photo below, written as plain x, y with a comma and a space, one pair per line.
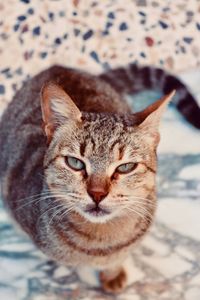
57, 107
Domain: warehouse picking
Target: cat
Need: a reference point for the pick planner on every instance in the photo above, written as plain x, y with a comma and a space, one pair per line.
78, 168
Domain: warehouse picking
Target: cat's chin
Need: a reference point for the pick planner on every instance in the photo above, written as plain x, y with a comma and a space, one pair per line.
94, 215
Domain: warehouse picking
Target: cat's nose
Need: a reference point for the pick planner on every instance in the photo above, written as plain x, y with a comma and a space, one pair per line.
97, 195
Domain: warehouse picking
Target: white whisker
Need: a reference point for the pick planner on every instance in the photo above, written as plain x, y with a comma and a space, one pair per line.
144, 214
136, 212
66, 212
55, 214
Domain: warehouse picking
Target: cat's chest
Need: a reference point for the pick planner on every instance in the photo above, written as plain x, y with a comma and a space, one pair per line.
75, 245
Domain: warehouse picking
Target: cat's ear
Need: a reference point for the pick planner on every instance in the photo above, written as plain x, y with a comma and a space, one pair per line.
57, 107
149, 118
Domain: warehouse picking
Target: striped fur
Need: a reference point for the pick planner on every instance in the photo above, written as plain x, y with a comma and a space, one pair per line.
92, 122
133, 79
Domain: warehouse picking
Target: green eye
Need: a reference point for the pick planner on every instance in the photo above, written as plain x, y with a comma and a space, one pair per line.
75, 163
126, 168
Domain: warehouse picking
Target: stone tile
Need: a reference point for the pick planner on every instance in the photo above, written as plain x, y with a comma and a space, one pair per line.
186, 221
159, 248
61, 271
193, 294
169, 266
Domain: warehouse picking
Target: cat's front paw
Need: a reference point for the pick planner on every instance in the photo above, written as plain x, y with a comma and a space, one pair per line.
113, 282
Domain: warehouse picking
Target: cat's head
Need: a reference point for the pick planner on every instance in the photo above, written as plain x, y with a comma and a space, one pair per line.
100, 165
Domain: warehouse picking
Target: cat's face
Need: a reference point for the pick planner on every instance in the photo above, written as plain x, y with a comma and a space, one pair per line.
102, 166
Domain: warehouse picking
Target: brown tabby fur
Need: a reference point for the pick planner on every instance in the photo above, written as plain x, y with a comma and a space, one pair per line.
48, 199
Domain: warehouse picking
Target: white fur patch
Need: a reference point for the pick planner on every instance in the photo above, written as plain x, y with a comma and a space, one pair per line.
88, 275
133, 273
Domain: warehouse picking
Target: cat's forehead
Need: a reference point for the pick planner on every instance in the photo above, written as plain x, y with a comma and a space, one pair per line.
103, 128
102, 137
102, 124
105, 136
113, 121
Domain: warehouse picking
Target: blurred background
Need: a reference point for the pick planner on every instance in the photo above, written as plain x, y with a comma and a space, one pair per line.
96, 36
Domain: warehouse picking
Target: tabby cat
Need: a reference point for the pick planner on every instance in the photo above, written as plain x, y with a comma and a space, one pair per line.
78, 167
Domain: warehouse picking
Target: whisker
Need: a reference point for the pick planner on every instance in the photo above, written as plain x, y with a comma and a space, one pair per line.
142, 217
33, 196
147, 200
55, 214
136, 212
142, 198
142, 206
58, 212
47, 192
36, 200
143, 211
44, 196
49, 209
66, 213
152, 205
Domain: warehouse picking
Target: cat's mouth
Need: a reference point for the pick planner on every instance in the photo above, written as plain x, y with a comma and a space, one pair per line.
97, 211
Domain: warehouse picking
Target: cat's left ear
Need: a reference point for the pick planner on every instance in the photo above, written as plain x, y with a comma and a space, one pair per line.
149, 118
57, 108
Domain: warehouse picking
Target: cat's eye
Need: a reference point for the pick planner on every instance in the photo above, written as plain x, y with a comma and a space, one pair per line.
126, 168
75, 163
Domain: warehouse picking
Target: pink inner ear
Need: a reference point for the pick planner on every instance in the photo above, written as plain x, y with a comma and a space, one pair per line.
45, 105
57, 107
48, 132
46, 114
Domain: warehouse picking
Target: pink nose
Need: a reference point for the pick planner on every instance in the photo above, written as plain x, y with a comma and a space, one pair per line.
97, 196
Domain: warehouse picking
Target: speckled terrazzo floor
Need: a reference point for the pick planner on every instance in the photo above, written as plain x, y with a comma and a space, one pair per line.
95, 35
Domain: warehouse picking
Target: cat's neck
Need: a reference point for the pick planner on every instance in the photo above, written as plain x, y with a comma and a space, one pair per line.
103, 231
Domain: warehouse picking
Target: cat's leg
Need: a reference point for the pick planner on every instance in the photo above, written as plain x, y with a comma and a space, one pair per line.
114, 280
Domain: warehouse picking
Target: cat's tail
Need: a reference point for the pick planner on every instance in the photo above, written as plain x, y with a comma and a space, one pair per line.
133, 79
